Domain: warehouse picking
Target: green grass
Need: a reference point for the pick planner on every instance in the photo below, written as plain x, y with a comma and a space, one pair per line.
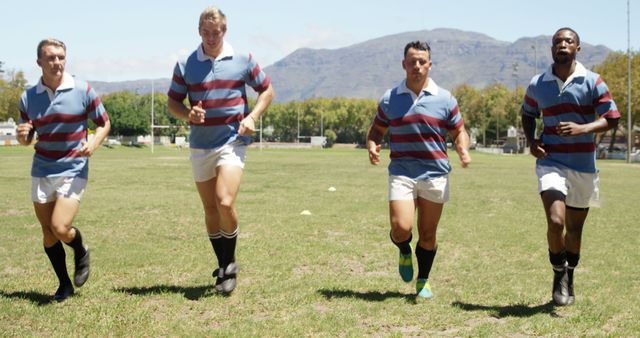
332, 273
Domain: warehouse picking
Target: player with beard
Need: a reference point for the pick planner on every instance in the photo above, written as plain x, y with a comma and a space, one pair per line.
574, 104
418, 115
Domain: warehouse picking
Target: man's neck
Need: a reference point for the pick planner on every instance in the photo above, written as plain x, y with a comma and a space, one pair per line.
563, 71
52, 83
212, 53
417, 86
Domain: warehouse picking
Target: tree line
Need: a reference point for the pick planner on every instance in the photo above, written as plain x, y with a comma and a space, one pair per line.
490, 110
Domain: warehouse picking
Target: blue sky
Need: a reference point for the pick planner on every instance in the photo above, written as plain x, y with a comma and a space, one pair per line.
116, 40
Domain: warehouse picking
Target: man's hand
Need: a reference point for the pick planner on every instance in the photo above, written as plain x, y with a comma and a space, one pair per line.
570, 129
374, 153
24, 133
247, 126
197, 113
87, 149
537, 149
465, 158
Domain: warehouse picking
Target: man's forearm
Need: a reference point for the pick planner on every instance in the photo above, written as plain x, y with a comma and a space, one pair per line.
529, 128
374, 135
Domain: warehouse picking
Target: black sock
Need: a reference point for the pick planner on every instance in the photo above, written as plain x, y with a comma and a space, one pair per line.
58, 260
572, 262
572, 259
558, 260
404, 247
216, 243
76, 243
425, 261
229, 241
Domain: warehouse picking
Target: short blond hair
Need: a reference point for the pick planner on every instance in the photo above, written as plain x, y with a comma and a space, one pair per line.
214, 15
50, 42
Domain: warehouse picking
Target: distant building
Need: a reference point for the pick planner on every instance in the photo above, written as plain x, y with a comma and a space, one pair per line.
8, 128
8, 133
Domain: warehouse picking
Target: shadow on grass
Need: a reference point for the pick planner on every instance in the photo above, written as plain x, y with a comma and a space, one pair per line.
37, 298
189, 292
516, 310
371, 296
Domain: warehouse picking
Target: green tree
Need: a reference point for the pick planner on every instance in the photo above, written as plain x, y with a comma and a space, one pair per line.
127, 114
495, 101
472, 109
614, 72
514, 107
162, 117
330, 137
491, 110
10, 91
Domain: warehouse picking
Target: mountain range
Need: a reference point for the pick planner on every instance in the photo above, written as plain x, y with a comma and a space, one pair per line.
367, 69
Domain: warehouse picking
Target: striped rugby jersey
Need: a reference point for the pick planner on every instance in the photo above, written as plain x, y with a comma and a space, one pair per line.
417, 128
60, 120
580, 99
220, 84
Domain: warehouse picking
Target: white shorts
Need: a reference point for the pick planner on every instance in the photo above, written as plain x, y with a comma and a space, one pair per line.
404, 188
205, 161
48, 189
581, 190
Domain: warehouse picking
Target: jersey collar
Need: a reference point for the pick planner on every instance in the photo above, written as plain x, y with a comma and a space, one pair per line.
580, 71
431, 88
227, 50
67, 83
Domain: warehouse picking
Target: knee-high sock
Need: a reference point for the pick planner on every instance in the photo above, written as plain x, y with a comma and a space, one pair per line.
229, 241
572, 262
558, 260
76, 244
216, 243
425, 261
404, 247
58, 260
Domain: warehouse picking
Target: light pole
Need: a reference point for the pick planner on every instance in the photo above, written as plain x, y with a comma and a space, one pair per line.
535, 58
298, 137
321, 124
629, 122
260, 132
152, 115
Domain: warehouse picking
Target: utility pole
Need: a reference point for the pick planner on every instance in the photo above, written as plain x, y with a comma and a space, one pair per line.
629, 122
298, 137
535, 58
152, 116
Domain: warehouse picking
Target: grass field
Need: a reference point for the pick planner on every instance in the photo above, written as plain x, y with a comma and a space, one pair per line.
331, 273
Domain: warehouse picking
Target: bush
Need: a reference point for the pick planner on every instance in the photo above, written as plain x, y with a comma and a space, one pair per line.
331, 137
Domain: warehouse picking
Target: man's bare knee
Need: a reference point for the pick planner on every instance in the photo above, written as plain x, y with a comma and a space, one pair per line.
556, 222
226, 205
61, 231
400, 233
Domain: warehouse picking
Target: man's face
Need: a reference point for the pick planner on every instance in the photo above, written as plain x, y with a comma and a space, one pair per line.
52, 61
564, 47
212, 35
416, 64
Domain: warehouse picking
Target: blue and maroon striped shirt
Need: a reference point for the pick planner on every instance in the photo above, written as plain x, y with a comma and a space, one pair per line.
580, 99
60, 120
220, 84
418, 127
